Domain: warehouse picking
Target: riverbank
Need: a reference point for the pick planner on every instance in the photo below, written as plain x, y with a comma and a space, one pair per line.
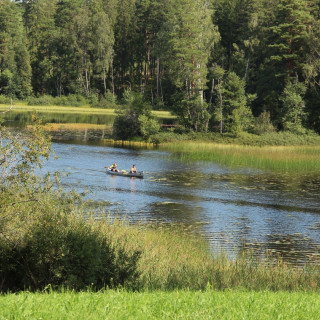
177, 304
277, 151
74, 110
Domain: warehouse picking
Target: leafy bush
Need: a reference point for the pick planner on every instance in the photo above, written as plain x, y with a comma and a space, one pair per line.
62, 249
4, 99
75, 100
44, 100
148, 126
134, 119
109, 101
44, 238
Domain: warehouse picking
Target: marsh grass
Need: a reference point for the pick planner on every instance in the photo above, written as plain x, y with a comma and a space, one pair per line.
129, 144
175, 257
182, 304
298, 159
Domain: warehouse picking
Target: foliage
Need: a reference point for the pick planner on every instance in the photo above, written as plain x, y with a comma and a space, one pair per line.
44, 238
179, 54
134, 119
263, 124
237, 114
75, 100
293, 107
15, 68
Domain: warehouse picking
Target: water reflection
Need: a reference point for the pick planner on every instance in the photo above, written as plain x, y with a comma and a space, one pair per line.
21, 119
235, 208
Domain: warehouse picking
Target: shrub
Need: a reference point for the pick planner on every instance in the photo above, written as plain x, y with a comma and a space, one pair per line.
44, 100
42, 239
4, 99
134, 119
62, 249
148, 126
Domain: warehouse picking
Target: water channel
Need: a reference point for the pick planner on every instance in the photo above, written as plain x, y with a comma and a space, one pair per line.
232, 207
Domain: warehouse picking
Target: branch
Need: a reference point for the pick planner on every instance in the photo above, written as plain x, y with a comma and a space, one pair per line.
24, 201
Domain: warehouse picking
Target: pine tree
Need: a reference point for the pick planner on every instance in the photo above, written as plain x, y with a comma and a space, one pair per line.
237, 114
40, 26
15, 70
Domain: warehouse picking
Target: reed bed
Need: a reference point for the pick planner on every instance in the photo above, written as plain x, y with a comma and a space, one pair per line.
129, 144
298, 159
175, 257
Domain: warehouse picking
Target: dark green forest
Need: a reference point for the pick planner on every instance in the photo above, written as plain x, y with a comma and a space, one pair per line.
219, 65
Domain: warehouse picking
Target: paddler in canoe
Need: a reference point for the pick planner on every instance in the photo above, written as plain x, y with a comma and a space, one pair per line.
114, 167
133, 169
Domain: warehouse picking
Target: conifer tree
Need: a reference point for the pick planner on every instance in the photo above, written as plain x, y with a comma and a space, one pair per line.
15, 70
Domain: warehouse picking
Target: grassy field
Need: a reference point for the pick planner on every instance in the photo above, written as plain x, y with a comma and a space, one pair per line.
77, 110
161, 305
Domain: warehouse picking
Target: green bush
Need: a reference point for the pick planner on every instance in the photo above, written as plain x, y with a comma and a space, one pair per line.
4, 99
44, 238
44, 100
64, 250
134, 118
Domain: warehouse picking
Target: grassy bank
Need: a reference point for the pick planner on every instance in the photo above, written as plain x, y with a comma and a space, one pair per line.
161, 305
77, 110
50, 127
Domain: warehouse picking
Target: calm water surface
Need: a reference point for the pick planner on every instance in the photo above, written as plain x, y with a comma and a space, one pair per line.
232, 207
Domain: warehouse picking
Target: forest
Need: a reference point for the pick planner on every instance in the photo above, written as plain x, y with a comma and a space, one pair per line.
219, 65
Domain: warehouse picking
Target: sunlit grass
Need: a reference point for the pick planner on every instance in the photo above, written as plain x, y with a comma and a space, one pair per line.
176, 257
77, 110
208, 304
129, 144
300, 159
73, 126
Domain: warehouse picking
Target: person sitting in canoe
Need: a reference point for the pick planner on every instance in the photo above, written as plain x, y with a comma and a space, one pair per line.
114, 167
133, 169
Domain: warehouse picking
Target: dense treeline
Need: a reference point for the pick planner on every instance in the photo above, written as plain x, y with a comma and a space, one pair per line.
220, 65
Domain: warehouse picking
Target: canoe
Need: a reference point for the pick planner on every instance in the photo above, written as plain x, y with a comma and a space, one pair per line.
138, 174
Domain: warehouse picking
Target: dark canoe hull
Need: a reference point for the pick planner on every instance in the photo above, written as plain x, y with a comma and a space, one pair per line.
139, 174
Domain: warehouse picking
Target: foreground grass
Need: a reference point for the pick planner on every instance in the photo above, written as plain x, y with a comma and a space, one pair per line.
76, 110
298, 159
161, 305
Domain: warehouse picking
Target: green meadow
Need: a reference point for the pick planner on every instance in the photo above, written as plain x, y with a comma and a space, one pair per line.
182, 304
78, 110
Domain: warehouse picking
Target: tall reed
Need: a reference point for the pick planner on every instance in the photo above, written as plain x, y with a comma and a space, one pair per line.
174, 257
298, 159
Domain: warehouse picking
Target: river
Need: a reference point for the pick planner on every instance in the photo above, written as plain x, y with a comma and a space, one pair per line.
233, 208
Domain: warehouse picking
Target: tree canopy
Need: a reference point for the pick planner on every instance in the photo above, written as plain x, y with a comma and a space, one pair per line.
169, 51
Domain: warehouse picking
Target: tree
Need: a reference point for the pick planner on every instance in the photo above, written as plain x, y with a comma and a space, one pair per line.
238, 116
124, 30
15, 69
189, 36
40, 29
293, 107
289, 43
